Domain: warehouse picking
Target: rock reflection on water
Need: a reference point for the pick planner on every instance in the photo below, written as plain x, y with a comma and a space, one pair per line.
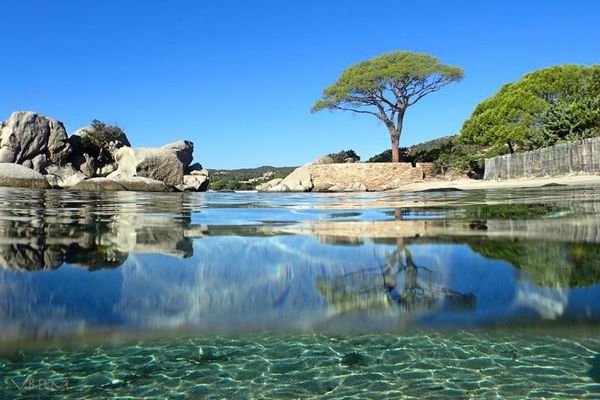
42, 230
78, 262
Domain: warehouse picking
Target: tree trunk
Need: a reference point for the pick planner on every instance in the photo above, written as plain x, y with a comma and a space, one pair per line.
395, 135
510, 147
395, 132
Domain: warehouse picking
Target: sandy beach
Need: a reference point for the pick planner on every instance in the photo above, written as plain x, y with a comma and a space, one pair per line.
471, 184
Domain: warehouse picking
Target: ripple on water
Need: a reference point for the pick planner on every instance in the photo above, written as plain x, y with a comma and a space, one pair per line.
480, 365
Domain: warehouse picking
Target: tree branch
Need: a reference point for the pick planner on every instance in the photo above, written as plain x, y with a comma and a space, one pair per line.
355, 110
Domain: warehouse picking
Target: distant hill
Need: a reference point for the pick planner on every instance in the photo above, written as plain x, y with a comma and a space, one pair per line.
245, 178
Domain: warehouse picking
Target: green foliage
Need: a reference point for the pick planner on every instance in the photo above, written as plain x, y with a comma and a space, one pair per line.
544, 107
461, 163
549, 264
422, 152
571, 120
386, 156
341, 156
395, 70
100, 134
230, 184
432, 150
447, 155
385, 86
239, 179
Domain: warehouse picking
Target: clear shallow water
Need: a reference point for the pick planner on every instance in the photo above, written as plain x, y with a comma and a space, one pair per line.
478, 294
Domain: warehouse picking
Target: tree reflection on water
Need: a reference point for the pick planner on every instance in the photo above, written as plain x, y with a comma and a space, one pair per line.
399, 283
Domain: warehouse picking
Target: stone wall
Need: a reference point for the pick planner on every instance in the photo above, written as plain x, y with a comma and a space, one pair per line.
374, 176
350, 177
561, 159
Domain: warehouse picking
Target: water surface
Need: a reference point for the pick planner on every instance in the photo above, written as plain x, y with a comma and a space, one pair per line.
478, 294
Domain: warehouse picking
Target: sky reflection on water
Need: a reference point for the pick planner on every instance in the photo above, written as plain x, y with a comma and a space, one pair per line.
75, 263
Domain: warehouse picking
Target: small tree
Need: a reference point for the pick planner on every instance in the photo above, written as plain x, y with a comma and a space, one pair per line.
386, 86
98, 136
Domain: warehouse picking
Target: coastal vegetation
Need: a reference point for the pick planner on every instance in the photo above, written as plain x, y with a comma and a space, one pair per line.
99, 135
245, 178
545, 107
385, 86
447, 154
343, 156
547, 263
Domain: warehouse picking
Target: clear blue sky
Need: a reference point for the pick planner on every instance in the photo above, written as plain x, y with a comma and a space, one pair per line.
238, 78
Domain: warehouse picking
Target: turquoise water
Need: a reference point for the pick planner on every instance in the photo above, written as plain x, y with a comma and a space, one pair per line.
482, 294
459, 364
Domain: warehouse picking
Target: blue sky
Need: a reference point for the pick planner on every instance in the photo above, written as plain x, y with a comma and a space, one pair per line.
238, 78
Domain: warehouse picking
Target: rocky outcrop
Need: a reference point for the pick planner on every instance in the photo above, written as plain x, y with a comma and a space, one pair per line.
136, 184
91, 237
163, 164
15, 175
98, 185
195, 179
183, 150
91, 137
62, 177
141, 184
298, 181
324, 160
349, 177
98, 157
33, 140
93, 148
159, 164
268, 185
194, 183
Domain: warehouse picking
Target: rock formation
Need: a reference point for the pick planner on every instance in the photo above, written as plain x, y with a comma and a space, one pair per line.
98, 157
33, 140
195, 178
16, 175
348, 177
298, 181
93, 237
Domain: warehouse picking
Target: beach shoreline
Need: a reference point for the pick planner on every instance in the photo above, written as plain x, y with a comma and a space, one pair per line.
475, 184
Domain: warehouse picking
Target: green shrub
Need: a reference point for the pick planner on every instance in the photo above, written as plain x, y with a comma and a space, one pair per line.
341, 156
100, 134
446, 154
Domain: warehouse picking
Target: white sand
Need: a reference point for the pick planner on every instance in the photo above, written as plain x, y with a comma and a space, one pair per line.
469, 184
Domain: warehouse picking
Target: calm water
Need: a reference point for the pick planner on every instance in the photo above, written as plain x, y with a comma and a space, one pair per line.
482, 294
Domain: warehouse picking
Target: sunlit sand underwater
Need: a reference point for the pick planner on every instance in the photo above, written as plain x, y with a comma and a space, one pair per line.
479, 294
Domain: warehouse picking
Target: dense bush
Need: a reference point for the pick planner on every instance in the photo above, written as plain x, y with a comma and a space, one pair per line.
545, 107
99, 135
341, 156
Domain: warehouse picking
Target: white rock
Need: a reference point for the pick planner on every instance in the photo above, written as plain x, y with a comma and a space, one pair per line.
26, 135
183, 149
16, 175
194, 183
324, 160
62, 177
